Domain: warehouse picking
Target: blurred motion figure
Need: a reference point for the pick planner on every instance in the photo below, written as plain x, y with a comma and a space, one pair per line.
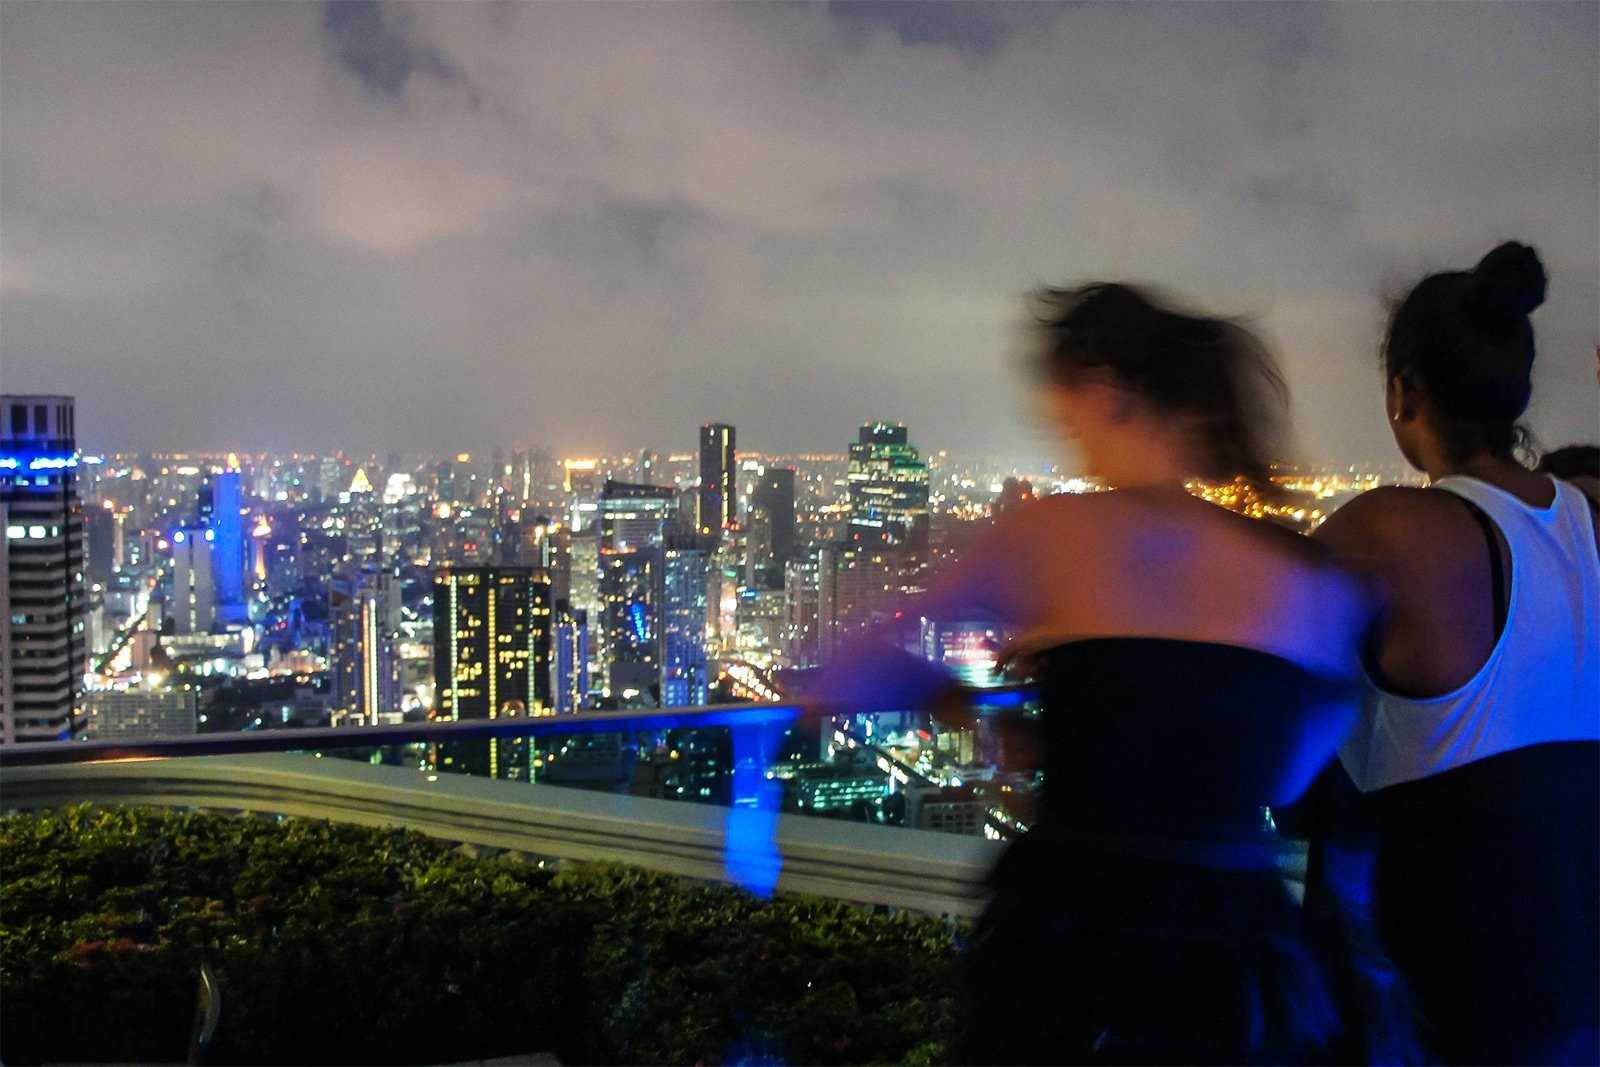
1194, 666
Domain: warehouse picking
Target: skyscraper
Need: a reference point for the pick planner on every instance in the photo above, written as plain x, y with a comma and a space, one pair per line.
226, 542
43, 608
684, 615
571, 659
491, 659
719, 492
194, 596
888, 488
363, 643
772, 527
633, 525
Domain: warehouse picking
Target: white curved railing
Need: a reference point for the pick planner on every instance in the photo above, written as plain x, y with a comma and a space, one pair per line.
862, 864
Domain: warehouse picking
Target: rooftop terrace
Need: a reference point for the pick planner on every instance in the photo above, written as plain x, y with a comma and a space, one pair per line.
526, 834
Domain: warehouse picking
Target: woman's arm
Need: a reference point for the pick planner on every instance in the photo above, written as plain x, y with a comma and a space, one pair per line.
875, 670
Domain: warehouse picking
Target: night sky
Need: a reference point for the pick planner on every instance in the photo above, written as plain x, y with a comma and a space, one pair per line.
437, 227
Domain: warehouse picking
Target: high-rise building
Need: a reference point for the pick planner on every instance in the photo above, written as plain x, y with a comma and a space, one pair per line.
194, 595
631, 584
103, 532
43, 607
364, 645
584, 598
582, 487
634, 516
771, 527
491, 660
571, 681
802, 635
634, 521
888, 488
226, 542
683, 662
120, 715
856, 587
719, 491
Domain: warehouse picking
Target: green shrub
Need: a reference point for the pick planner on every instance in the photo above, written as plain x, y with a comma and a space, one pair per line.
339, 944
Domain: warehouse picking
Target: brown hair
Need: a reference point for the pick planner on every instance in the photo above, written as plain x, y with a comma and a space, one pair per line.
1212, 371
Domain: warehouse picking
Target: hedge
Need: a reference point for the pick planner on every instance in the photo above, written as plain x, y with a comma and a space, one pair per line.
343, 944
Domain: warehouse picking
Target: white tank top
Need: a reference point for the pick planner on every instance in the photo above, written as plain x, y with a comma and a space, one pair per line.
1540, 683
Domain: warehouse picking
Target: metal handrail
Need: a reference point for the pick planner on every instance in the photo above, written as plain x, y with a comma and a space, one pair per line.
306, 739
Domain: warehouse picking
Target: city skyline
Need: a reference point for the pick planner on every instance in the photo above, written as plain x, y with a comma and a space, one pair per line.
439, 228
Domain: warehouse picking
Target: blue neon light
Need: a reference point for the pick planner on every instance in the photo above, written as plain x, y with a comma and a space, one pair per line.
1005, 698
38, 461
636, 615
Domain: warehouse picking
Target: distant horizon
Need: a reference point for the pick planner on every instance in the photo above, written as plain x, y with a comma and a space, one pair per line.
947, 456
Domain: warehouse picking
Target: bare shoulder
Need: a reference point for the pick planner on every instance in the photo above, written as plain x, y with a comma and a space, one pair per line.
1054, 516
1381, 514
1393, 526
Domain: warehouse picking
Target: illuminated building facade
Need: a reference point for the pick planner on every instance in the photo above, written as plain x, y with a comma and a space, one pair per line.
120, 715
194, 596
220, 514
491, 660
363, 645
719, 487
683, 667
633, 526
571, 682
888, 488
968, 649
43, 606
802, 622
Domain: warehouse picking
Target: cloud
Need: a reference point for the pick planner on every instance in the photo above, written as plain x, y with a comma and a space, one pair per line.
448, 226
976, 28
376, 50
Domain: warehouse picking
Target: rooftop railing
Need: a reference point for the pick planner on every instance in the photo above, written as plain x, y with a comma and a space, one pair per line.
749, 843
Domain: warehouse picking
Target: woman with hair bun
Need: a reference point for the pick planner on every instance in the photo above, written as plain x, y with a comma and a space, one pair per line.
1194, 667
1479, 748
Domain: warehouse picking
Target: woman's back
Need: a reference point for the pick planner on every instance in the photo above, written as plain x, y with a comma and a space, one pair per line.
1181, 738
1194, 668
1162, 563
1492, 641
1478, 748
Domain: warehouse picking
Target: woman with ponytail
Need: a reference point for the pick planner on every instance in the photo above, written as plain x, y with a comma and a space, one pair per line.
1194, 667
1478, 754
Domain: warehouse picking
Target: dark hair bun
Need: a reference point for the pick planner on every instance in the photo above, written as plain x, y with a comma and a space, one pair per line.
1510, 281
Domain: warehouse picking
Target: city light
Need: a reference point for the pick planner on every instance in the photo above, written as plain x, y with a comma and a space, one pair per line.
47, 462
751, 609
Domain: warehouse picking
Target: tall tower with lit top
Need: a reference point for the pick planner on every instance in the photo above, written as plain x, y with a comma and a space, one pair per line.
889, 488
719, 488
43, 644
